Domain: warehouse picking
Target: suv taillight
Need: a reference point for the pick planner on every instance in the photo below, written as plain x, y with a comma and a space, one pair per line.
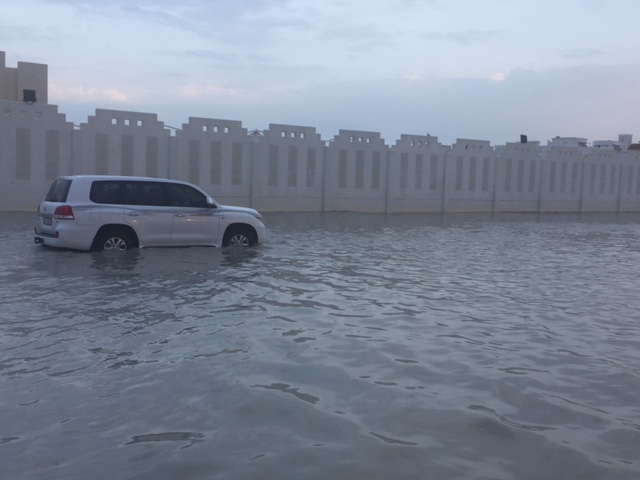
63, 212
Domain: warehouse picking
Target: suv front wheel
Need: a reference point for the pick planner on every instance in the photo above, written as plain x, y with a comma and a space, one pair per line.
113, 240
239, 236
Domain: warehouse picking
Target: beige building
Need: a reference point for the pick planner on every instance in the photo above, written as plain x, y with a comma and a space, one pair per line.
27, 82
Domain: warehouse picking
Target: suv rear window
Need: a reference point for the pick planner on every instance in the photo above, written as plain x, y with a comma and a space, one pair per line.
59, 190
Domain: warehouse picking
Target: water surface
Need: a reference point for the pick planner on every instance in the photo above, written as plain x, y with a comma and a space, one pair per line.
347, 346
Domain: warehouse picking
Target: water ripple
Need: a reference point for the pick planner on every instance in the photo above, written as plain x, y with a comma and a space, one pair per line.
349, 345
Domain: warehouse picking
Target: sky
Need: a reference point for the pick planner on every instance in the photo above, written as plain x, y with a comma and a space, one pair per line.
474, 69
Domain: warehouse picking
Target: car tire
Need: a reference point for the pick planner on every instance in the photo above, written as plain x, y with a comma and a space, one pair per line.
239, 236
113, 240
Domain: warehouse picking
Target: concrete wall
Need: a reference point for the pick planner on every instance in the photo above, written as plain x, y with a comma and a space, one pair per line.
469, 177
290, 168
601, 184
356, 172
35, 147
416, 174
215, 154
630, 183
561, 180
114, 142
3, 76
518, 175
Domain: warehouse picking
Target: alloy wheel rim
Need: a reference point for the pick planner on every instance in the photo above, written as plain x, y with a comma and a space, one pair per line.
239, 240
115, 244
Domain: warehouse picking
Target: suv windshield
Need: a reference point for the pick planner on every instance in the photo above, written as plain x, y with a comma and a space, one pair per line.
58, 191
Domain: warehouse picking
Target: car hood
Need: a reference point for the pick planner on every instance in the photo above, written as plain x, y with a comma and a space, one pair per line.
249, 211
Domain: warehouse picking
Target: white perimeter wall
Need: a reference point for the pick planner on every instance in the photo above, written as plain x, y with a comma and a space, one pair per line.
290, 168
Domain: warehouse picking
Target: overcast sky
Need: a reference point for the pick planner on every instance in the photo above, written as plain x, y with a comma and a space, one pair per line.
482, 69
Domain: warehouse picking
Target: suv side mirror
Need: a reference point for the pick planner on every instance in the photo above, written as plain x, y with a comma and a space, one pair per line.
211, 203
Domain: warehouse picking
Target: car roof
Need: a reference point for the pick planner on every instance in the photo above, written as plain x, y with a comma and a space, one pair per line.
120, 178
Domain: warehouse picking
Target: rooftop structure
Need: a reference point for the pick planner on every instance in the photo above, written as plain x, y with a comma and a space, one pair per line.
567, 142
27, 82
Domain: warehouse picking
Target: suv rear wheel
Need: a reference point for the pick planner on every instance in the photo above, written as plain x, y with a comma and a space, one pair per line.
239, 236
113, 240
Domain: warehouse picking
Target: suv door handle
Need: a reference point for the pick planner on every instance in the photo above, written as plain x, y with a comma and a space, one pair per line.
179, 214
133, 214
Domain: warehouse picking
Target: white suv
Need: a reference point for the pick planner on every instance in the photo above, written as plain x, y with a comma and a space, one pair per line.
118, 213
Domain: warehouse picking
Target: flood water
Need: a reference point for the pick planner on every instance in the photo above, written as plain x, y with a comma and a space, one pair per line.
347, 346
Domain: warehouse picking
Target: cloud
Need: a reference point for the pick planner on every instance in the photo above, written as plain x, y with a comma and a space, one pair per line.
582, 54
498, 77
453, 69
12, 33
465, 37
209, 91
596, 102
88, 94
577, 101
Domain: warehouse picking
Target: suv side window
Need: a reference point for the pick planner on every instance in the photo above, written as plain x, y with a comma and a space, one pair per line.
106, 192
156, 194
149, 194
119, 192
185, 196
